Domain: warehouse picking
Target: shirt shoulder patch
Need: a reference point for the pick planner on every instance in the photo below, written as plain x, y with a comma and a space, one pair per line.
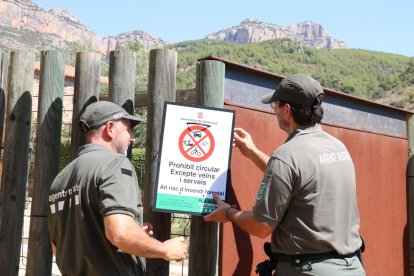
263, 186
126, 171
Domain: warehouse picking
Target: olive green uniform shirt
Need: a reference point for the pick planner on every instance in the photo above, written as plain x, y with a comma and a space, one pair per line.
308, 194
97, 183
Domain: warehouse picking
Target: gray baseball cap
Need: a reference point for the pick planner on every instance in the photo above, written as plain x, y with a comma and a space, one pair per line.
99, 113
298, 89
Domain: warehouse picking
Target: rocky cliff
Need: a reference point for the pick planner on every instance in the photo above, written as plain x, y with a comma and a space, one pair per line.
149, 41
252, 30
25, 26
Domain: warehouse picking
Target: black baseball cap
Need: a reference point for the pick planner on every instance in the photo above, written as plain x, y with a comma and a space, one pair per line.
297, 89
99, 113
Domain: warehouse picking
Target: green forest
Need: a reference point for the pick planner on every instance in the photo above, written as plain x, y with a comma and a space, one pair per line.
367, 74
362, 73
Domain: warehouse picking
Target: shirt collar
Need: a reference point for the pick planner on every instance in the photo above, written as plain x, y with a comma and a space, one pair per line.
90, 148
304, 130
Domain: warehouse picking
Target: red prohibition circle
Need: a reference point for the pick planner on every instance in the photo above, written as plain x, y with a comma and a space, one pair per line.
195, 152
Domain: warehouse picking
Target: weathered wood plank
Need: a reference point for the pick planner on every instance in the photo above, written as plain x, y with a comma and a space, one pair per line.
205, 236
4, 69
161, 87
47, 154
87, 88
15, 165
122, 72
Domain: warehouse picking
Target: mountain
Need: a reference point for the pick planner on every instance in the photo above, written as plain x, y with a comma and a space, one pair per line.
147, 40
252, 30
25, 26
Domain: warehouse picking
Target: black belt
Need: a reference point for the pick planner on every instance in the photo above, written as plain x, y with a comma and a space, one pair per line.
299, 258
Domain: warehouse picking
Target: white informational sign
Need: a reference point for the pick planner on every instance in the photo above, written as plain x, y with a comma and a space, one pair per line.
195, 153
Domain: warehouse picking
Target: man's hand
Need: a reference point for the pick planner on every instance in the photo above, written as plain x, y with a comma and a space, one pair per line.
244, 142
219, 214
176, 249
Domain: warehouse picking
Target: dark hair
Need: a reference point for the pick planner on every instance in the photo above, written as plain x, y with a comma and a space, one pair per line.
306, 115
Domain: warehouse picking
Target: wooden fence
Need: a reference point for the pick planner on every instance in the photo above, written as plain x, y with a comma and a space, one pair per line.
15, 106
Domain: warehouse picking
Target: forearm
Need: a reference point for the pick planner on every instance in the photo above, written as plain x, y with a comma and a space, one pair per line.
259, 158
131, 238
141, 244
244, 142
244, 220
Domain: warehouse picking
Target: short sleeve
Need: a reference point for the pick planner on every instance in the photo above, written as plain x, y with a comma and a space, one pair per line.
274, 193
118, 188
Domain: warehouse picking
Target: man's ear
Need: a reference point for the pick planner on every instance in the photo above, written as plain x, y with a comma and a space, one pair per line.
109, 130
288, 108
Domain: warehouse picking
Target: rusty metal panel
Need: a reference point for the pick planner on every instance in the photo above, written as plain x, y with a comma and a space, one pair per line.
380, 163
246, 89
346, 112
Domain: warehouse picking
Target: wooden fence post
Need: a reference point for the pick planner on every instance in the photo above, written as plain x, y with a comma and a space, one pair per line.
15, 164
87, 88
204, 237
161, 87
49, 125
4, 69
410, 188
122, 73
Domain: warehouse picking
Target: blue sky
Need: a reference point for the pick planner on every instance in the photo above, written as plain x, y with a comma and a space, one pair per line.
384, 26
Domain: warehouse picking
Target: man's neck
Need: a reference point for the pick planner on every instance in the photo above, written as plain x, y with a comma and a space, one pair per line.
96, 139
292, 127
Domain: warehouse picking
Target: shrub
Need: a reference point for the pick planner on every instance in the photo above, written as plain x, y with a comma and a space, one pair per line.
138, 161
64, 153
399, 103
411, 95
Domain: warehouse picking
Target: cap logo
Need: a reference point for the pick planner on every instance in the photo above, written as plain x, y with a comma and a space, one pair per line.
119, 115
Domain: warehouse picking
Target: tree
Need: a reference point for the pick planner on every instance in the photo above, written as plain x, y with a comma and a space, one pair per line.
408, 75
141, 80
79, 46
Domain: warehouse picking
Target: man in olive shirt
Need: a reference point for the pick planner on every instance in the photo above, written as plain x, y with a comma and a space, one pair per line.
307, 198
95, 214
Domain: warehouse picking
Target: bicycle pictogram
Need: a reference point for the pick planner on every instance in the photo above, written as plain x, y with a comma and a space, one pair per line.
196, 142
195, 152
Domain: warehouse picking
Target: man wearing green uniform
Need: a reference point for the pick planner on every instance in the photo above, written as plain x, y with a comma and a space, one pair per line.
307, 198
95, 214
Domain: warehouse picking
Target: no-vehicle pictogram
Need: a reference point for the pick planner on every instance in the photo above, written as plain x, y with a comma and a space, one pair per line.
196, 143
